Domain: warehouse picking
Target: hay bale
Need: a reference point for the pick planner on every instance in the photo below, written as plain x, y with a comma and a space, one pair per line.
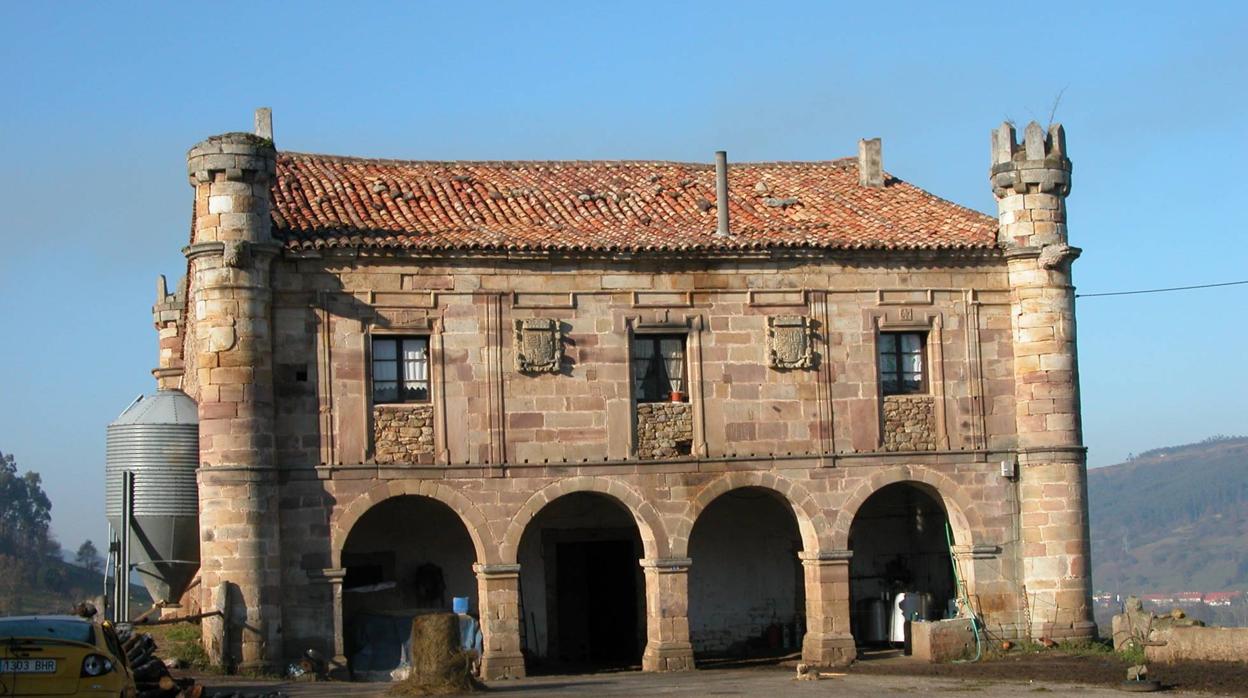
439, 666
435, 639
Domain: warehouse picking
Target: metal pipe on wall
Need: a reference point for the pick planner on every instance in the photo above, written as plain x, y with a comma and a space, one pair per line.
127, 521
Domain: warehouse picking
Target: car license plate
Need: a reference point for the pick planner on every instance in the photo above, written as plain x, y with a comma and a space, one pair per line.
27, 666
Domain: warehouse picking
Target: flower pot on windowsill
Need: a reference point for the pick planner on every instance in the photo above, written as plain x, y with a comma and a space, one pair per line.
678, 396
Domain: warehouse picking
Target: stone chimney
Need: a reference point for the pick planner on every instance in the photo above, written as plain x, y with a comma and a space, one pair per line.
264, 123
871, 162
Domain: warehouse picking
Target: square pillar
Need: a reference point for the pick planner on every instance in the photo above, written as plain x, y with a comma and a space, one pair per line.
828, 641
498, 588
667, 615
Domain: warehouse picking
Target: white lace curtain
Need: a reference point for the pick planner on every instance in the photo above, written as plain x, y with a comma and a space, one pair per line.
673, 351
415, 362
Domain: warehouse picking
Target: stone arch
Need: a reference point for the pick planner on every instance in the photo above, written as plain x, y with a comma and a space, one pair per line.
649, 523
809, 516
471, 517
960, 511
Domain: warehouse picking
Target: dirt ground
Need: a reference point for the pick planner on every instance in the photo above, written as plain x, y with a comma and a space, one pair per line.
1083, 672
1058, 666
1052, 672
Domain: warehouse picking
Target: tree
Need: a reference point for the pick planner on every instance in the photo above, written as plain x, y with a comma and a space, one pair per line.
26, 547
88, 557
25, 510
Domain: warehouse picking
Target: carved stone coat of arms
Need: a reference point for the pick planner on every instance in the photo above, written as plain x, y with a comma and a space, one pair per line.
538, 345
788, 342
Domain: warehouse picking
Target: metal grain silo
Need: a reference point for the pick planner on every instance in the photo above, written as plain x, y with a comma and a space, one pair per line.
157, 439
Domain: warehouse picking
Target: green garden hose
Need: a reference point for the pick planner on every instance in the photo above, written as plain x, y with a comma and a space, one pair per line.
966, 601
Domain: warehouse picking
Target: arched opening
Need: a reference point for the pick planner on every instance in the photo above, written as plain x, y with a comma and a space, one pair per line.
746, 588
901, 568
405, 555
581, 586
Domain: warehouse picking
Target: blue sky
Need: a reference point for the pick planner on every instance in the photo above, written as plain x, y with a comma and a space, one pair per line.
101, 103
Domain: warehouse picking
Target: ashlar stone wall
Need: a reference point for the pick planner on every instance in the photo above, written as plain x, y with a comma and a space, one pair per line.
484, 411
503, 442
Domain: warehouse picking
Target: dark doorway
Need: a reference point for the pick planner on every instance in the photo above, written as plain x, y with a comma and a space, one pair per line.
582, 587
596, 583
900, 548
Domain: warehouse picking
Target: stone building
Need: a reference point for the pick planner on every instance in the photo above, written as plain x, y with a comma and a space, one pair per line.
636, 411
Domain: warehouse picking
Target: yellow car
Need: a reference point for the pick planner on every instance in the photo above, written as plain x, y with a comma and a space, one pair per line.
62, 656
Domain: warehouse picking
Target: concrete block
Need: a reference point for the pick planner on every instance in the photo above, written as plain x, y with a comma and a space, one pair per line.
942, 640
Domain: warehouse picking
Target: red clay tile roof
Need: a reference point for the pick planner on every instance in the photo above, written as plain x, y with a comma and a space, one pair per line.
328, 201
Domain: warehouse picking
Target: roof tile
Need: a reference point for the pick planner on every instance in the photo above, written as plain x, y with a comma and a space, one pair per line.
330, 201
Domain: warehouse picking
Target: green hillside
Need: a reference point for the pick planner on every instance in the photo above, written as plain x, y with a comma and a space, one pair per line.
62, 588
1172, 519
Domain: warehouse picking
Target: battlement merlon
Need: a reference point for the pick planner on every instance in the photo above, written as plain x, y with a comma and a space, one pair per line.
239, 156
168, 317
168, 307
1036, 165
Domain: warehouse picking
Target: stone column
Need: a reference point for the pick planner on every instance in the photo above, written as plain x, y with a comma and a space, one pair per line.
498, 588
667, 615
828, 640
230, 256
1031, 181
333, 577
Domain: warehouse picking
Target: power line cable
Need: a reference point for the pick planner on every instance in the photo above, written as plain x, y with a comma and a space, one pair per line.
1160, 290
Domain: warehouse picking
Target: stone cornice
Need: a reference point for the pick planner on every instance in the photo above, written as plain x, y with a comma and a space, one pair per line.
932, 257
989, 458
217, 248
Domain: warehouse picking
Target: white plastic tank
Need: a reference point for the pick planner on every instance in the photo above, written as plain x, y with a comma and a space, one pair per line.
907, 605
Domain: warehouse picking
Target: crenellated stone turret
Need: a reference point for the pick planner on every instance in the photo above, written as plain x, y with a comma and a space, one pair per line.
167, 316
1031, 180
230, 257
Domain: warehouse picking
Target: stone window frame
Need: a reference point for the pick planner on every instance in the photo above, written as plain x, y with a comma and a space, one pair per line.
879, 320
398, 337
691, 325
924, 364
405, 322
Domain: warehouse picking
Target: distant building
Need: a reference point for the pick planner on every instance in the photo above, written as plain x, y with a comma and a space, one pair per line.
636, 411
1223, 598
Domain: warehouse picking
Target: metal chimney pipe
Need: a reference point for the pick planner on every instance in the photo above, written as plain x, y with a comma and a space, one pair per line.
721, 193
